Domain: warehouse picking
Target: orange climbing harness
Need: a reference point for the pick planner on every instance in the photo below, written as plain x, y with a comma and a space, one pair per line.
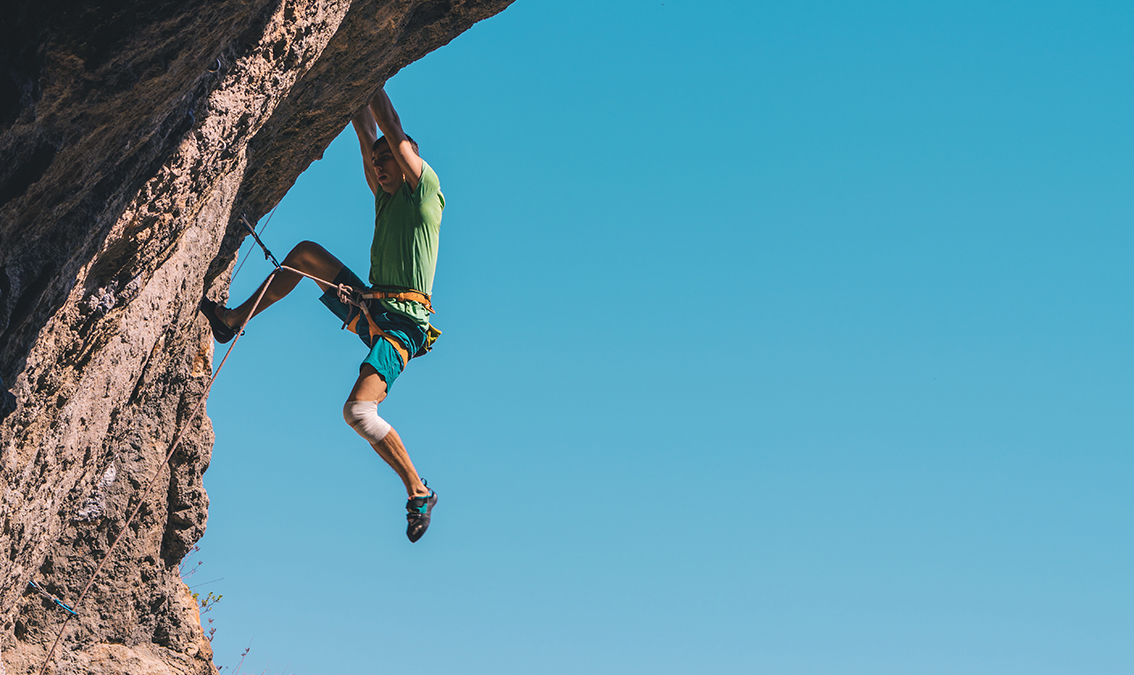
349, 295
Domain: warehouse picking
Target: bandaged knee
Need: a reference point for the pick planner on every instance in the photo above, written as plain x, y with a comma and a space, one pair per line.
362, 416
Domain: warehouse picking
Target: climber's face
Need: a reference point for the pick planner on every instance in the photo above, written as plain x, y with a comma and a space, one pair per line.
390, 176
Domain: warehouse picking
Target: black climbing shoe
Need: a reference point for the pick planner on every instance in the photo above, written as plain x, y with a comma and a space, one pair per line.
222, 332
418, 509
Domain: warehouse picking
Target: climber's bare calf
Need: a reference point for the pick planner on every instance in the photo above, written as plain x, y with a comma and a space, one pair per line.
308, 257
360, 413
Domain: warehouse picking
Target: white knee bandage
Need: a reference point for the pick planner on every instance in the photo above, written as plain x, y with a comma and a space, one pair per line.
362, 416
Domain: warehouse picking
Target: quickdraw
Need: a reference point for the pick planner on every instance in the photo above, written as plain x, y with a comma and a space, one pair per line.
64, 606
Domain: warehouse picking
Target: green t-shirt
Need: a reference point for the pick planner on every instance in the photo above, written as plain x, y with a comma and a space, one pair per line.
407, 227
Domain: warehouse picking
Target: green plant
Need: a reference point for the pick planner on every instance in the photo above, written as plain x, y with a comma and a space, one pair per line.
205, 604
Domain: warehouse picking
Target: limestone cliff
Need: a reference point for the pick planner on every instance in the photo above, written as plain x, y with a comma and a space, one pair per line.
133, 135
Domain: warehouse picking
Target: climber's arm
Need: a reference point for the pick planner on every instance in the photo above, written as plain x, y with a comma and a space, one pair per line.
400, 146
363, 123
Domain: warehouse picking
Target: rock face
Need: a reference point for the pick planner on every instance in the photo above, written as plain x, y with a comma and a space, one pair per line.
133, 136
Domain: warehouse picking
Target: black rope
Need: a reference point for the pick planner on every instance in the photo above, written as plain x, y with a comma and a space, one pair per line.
267, 254
263, 227
149, 488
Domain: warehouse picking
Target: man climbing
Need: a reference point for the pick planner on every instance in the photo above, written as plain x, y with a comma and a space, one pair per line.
392, 318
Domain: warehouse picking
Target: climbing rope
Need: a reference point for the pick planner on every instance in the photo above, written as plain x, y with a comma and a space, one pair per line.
153, 481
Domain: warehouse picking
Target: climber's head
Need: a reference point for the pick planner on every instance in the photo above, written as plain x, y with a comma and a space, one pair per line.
390, 176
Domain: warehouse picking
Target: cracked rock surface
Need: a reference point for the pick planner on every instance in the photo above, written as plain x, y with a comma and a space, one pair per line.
132, 138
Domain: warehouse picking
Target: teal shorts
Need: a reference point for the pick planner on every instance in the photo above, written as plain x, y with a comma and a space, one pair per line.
383, 357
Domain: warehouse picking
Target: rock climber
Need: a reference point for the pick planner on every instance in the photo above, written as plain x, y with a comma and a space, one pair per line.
396, 307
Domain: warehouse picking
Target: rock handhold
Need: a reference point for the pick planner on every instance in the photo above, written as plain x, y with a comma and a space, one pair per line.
7, 401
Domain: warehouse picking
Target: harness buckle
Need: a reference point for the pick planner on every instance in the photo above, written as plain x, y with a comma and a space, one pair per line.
348, 295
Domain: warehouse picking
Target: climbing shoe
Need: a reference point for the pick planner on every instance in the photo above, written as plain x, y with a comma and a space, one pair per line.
222, 332
417, 515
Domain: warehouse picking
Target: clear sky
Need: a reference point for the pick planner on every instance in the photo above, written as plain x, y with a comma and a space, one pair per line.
787, 339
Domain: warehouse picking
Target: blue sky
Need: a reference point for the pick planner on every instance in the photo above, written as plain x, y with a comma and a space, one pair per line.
786, 339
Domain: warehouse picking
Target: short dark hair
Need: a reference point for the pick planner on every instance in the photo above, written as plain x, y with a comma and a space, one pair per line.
382, 139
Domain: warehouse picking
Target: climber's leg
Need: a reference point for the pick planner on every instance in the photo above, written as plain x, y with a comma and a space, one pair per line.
307, 257
361, 413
